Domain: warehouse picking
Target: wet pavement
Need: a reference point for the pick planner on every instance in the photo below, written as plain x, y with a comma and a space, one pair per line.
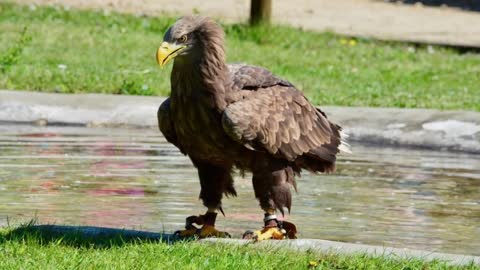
132, 178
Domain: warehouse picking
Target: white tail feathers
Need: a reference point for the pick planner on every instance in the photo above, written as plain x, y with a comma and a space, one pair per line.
344, 146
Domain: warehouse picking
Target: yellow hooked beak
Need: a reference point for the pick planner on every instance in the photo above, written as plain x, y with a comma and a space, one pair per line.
167, 52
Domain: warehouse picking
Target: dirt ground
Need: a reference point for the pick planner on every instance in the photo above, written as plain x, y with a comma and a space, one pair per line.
368, 18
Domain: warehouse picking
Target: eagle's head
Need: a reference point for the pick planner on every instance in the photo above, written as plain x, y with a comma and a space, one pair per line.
191, 38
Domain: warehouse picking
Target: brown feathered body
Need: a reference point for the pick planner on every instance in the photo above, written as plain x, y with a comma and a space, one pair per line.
226, 116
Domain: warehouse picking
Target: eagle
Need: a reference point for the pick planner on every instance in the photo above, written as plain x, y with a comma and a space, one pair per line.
239, 116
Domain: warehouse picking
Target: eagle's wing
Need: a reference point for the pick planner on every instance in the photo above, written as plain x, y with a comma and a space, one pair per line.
274, 116
252, 78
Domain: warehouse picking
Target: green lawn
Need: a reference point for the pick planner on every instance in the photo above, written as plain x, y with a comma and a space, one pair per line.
24, 250
72, 51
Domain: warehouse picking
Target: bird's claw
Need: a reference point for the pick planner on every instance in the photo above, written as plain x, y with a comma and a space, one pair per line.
205, 231
284, 230
192, 232
210, 231
265, 233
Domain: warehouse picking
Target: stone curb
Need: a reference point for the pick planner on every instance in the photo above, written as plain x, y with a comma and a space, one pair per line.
319, 246
313, 245
417, 128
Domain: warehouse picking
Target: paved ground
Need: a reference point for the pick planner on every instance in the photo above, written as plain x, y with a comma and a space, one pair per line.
418, 128
368, 18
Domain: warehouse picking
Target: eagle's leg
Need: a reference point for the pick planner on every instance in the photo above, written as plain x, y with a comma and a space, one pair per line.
272, 189
214, 182
208, 229
273, 229
207, 221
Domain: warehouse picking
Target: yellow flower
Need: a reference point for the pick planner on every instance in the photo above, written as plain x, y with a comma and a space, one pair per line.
312, 263
350, 42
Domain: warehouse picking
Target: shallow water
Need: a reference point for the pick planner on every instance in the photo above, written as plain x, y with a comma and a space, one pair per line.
131, 178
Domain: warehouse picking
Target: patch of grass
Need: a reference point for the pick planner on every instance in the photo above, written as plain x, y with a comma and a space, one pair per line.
12, 55
32, 251
88, 51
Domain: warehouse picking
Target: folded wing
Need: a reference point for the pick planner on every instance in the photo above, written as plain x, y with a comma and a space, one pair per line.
274, 116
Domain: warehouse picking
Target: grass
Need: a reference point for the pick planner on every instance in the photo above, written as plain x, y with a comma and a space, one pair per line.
26, 249
73, 51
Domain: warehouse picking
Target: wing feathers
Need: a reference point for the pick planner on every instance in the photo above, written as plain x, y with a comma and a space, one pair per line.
273, 115
280, 120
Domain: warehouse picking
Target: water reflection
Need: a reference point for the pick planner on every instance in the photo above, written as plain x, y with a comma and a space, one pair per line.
132, 178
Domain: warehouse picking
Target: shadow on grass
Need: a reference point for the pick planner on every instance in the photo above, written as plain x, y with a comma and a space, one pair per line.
85, 236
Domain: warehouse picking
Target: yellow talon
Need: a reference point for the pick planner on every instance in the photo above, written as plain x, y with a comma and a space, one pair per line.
204, 232
285, 230
187, 233
269, 233
207, 230
210, 231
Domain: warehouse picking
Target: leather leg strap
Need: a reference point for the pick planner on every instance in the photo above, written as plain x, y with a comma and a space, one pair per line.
270, 220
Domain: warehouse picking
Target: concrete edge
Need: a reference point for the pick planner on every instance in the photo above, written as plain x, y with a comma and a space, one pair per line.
319, 246
457, 131
301, 245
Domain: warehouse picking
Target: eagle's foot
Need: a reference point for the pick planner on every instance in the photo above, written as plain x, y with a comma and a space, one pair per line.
207, 230
204, 232
265, 234
278, 230
192, 232
210, 231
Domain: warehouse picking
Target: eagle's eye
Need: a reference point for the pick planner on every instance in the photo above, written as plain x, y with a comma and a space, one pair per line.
182, 39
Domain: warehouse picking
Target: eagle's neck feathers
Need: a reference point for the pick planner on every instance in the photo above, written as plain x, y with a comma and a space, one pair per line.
204, 74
